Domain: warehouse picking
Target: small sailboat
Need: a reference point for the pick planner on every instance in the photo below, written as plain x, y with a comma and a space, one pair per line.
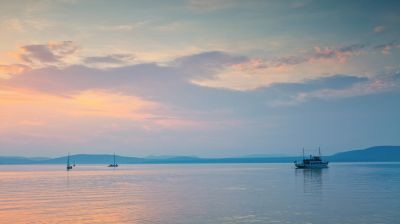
69, 167
113, 164
313, 162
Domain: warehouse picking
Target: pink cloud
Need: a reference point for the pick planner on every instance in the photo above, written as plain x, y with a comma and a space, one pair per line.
379, 29
387, 48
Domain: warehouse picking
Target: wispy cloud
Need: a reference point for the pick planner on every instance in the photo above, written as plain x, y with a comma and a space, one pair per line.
379, 29
42, 54
123, 27
6, 71
206, 64
26, 25
374, 85
321, 53
248, 74
214, 69
111, 59
388, 47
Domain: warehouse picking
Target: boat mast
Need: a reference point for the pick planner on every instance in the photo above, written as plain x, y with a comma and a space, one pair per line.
114, 158
319, 151
68, 161
303, 152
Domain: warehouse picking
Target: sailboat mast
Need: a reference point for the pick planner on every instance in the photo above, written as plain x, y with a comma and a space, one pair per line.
68, 160
114, 158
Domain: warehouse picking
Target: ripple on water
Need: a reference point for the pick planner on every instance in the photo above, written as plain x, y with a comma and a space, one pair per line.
225, 193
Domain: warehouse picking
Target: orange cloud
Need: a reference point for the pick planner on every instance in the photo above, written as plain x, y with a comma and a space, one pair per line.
82, 116
108, 104
27, 105
6, 71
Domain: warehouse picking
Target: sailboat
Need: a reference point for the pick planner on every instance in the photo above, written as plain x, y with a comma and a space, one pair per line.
114, 164
69, 167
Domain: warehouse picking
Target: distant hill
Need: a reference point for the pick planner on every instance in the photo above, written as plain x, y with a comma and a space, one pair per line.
21, 160
373, 154
94, 159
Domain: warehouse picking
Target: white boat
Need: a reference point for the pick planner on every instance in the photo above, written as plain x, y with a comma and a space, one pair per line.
312, 162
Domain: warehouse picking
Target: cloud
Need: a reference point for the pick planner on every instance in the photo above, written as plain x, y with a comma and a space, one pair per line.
83, 106
246, 74
62, 48
94, 117
186, 80
37, 52
26, 25
75, 116
388, 47
175, 74
109, 59
361, 87
50, 53
214, 69
183, 79
6, 71
14, 24
126, 27
321, 53
110, 104
31, 111
341, 53
206, 64
379, 29
122, 27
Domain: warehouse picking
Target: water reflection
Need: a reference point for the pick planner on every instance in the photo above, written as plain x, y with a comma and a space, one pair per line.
312, 179
221, 193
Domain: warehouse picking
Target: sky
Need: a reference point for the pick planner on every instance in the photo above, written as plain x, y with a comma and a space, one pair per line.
198, 77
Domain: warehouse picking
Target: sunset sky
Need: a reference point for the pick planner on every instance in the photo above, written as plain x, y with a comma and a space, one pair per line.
200, 77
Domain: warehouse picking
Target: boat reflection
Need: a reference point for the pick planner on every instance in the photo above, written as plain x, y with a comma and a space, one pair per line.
312, 179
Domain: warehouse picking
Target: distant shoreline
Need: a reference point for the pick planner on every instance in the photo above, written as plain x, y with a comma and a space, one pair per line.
216, 163
373, 154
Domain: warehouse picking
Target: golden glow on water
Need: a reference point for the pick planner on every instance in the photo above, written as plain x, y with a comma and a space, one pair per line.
79, 196
230, 193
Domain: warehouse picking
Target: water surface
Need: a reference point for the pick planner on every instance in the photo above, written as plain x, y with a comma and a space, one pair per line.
201, 193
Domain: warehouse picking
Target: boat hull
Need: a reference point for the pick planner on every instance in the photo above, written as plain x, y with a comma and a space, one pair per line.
312, 165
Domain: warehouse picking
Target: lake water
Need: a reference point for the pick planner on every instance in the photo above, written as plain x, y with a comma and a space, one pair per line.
205, 193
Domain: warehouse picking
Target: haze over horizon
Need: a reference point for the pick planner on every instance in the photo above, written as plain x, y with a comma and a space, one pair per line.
205, 78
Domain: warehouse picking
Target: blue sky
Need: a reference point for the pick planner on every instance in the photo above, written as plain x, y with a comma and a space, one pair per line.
206, 78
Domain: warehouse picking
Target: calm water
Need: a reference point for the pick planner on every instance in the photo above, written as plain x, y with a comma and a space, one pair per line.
229, 193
